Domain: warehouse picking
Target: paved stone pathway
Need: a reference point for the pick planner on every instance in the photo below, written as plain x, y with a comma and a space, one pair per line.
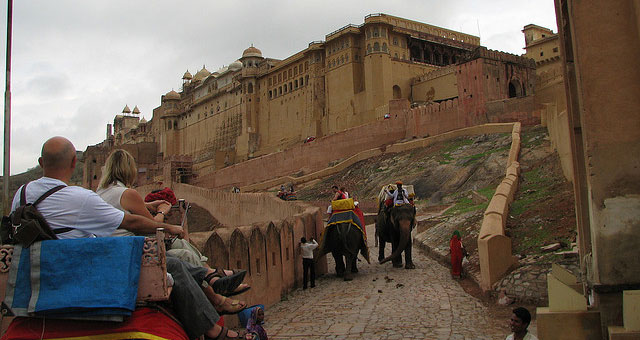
384, 303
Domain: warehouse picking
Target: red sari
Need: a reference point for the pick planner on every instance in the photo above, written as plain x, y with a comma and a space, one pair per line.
455, 246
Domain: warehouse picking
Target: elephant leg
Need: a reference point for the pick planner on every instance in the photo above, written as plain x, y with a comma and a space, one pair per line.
339, 263
397, 261
354, 264
348, 275
407, 256
381, 249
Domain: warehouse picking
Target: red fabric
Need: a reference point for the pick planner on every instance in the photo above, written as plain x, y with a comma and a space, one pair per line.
360, 214
455, 246
144, 320
164, 194
388, 202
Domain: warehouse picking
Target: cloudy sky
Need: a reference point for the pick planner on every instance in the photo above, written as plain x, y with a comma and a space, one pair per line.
77, 63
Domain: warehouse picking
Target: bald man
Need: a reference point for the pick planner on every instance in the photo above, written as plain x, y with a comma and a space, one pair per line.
81, 212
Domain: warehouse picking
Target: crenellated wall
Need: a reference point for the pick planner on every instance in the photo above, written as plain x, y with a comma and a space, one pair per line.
494, 247
261, 234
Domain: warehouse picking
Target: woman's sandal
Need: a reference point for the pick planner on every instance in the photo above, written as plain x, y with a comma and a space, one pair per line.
224, 335
233, 306
227, 284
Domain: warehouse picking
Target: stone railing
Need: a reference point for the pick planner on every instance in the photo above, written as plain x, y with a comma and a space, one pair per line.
494, 247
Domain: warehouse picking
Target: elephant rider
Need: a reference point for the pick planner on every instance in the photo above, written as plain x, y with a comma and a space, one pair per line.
337, 195
87, 215
399, 196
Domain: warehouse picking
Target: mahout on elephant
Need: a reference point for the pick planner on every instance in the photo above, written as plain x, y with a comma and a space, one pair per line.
393, 225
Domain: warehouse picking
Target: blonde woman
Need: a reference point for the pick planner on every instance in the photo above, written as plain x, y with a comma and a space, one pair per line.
118, 177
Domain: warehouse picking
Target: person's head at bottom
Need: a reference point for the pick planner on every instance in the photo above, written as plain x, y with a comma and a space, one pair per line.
520, 320
303, 240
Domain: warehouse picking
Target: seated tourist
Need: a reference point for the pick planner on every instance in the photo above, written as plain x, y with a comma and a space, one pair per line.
82, 213
519, 323
118, 176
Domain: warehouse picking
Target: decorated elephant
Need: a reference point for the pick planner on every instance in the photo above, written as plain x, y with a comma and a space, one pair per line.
394, 225
344, 239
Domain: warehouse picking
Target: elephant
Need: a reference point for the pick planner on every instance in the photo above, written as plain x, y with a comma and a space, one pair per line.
344, 240
394, 226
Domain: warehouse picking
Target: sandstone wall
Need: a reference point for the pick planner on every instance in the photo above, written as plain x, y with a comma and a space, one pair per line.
494, 247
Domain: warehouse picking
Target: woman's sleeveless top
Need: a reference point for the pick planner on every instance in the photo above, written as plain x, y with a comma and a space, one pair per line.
112, 195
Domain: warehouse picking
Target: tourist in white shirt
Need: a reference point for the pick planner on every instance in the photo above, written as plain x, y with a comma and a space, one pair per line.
308, 266
520, 320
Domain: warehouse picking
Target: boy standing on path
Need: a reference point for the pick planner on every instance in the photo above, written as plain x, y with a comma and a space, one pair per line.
307, 261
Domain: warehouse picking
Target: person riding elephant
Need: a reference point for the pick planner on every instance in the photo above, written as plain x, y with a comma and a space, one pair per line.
394, 225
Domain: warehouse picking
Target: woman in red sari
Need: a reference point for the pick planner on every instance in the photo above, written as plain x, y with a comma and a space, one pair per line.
455, 247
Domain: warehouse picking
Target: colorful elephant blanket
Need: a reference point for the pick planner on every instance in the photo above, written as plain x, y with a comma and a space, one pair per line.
347, 216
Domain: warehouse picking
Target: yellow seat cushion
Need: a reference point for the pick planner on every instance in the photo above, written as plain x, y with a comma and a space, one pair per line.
343, 204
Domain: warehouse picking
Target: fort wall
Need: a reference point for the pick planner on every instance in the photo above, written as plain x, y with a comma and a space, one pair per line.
404, 123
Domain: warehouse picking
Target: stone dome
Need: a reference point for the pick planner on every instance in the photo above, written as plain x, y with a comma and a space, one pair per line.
143, 121
236, 65
187, 76
126, 109
201, 74
172, 95
136, 110
252, 52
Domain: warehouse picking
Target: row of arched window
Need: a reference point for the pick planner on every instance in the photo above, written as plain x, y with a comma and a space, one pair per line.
376, 48
339, 61
286, 88
337, 46
376, 32
287, 74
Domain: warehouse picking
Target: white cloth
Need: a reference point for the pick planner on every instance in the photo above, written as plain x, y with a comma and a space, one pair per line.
72, 207
396, 200
528, 336
113, 195
307, 249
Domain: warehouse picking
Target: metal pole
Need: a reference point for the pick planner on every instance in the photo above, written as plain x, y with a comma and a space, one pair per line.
6, 173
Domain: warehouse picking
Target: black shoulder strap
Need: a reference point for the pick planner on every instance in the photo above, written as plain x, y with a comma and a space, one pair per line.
47, 194
23, 195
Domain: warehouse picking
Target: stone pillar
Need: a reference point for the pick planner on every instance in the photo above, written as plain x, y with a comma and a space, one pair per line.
603, 102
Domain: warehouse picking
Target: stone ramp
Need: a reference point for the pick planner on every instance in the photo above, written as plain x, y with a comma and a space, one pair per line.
384, 303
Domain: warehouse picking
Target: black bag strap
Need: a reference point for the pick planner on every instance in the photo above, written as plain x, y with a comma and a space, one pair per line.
47, 194
23, 194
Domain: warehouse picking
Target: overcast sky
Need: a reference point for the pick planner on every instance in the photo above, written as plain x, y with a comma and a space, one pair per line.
77, 63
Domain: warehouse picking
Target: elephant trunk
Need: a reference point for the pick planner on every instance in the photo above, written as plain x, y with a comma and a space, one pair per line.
405, 233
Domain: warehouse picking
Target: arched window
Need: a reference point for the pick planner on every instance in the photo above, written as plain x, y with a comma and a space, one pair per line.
285, 88
346, 58
169, 125
306, 79
368, 48
395, 55
290, 86
250, 88
515, 89
395, 41
384, 47
270, 94
342, 60
295, 84
280, 90
397, 92
376, 47
175, 124
301, 82
375, 32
